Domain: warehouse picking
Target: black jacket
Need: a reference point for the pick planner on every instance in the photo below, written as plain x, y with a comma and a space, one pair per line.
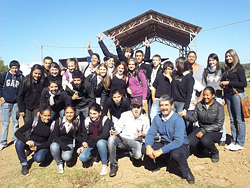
61, 101
116, 110
86, 135
99, 90
28, 98
41, 133
211, 119
86, 94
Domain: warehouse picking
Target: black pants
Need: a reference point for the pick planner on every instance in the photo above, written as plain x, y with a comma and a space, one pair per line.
179, 154
208, 140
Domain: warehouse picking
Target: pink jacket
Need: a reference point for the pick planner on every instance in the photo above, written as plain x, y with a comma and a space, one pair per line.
137, 89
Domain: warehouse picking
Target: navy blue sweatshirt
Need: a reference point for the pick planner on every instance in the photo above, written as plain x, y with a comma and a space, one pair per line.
9, 86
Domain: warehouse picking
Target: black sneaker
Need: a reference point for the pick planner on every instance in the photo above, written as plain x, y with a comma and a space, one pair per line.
113, 170
215, 158
222, 143
190, 178
25, 170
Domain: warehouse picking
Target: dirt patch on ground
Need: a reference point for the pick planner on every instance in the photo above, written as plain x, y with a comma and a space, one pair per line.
233, 170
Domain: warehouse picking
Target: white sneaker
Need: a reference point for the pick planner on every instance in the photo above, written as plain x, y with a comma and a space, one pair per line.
2, 147
104, 170
230, 146
60, 169
237, 147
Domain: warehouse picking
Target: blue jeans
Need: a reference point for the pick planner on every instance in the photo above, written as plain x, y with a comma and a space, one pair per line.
7, 110
237, 122
59, 155
178, 106
223, 137
155, 110
39, 155
88, 152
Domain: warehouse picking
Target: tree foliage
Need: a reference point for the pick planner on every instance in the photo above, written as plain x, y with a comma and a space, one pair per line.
3, 68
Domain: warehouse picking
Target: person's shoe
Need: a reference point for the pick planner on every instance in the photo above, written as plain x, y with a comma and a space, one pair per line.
27, 153
230, 146
190, 178
222, 143
104, 170
25, 170
236, 147
113, 170
60, 169
2, 147
215, 158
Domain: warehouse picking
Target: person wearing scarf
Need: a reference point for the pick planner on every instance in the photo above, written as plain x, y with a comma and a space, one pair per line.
56, 99
94, 135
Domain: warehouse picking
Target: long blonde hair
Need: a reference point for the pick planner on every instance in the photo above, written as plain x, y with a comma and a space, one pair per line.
106, 79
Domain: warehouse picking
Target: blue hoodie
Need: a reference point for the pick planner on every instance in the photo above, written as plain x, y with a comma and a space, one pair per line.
9, 86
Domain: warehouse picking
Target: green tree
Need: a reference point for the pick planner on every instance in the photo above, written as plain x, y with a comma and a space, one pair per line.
3, 68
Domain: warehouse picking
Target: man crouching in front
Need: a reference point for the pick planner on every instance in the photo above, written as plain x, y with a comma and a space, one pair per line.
128, 133
171, 128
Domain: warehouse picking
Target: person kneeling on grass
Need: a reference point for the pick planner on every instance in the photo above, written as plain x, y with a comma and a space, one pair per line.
128, 133
94, 136
171, 128
39, 141
63, 135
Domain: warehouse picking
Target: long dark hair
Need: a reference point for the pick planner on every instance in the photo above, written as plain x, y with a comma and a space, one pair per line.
28, 81
135, 72
206, 70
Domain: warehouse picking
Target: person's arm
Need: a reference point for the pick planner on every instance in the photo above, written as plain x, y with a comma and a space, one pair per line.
106, 107
82, 135
19, 133
151, 134
194, 116
43, 98
144, 85
89, 49
105, 50
178, 138
189, 86
91, 95
46, 144
2, 80
242, 82
21, 97
121, 55
104, 96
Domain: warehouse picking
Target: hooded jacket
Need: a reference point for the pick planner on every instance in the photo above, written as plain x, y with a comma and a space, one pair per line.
9, 86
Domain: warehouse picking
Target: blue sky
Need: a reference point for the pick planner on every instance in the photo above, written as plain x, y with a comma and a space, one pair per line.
24, 24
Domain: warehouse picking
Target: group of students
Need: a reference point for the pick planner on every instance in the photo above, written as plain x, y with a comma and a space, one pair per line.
125, 102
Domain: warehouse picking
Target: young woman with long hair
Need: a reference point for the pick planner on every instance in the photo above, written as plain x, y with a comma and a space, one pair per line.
234, 77
120, 78
30, 93
101, 83
94, 137
137, 83
63, 135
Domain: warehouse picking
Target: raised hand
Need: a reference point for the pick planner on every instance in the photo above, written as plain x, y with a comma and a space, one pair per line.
100, 37
88, 46
146, 42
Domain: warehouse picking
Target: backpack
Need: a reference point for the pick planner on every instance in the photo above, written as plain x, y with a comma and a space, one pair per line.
148, 89
87, 121
28, 133
67, 76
